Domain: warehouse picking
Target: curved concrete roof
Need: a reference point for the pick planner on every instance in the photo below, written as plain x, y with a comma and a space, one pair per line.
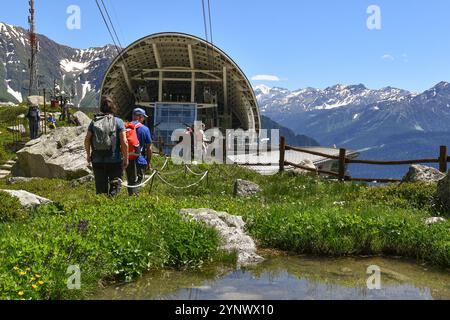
175, 55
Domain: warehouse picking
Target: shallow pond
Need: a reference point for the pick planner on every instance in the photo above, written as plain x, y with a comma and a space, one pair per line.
291, 277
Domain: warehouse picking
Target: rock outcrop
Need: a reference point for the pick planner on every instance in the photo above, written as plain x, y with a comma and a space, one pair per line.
244, 188
60, 154
81, 119
27, 199
420, 173
231, 231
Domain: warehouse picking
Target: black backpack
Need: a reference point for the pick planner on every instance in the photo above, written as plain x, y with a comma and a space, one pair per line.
33, 113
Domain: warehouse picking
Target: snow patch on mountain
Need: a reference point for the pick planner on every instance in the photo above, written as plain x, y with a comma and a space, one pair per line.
15, 94
73, 66
86, 87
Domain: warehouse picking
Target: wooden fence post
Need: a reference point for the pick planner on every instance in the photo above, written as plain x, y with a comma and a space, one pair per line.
443, 154
161, 146
224, 149
342, 154
282, 153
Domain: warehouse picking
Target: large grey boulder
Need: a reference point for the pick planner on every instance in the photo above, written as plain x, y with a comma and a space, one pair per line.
231, 231
35, 100
244, 188
59, 154
420, 173
27, 199
81, 119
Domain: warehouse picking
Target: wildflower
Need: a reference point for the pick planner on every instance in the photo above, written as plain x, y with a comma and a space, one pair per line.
21, 293
21, 273
37, 275
16, 268
34, 286
41, 282
33, 278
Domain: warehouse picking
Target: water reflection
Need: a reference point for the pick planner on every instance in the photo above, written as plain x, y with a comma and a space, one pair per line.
289, 277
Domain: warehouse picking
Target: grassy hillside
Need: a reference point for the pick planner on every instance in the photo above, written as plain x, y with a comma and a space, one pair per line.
118, 239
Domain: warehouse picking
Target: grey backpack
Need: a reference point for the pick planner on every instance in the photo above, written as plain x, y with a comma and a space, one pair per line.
104, 134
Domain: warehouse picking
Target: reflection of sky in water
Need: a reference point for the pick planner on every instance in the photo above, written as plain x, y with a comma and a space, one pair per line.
291, 278
242, 285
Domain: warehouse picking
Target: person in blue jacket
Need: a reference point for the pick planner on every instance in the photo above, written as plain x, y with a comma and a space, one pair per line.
137, 168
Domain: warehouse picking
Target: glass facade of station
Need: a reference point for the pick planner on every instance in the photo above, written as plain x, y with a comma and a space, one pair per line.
169, 117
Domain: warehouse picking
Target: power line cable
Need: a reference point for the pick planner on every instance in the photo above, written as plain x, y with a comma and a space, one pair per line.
112, 32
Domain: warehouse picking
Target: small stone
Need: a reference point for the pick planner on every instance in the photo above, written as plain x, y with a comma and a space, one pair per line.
14, 180
307, 164
244, 188
433, 220
82, 180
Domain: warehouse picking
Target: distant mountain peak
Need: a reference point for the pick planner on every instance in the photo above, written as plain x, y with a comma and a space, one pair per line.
442, 85
78, 70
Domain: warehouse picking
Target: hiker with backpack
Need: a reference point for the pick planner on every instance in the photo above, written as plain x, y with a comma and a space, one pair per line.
34, 118
139, 150
107, 148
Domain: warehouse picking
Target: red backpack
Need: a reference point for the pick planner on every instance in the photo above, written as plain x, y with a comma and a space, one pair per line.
134, 150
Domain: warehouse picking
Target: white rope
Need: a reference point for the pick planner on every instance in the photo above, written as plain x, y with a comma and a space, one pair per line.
194, 173
165, 164
125, 184
186, 187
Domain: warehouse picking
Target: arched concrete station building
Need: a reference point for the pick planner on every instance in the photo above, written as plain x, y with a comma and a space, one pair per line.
179, 78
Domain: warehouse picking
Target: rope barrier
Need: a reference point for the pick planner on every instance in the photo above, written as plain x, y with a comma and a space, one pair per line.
159, 174
194, 173
125, 184
186, 187
165, 164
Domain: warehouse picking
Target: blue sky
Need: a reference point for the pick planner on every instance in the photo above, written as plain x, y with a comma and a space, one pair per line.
315, 43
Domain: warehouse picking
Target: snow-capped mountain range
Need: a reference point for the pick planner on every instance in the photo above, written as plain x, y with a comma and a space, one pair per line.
308, 99
388, 123
80, 70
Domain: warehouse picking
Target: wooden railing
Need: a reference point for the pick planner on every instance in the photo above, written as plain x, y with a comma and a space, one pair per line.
343, 160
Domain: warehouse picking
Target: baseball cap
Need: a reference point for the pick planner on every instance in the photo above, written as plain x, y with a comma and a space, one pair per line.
140, 112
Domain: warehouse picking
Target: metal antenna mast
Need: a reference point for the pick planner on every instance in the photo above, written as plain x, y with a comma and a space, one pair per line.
34, 49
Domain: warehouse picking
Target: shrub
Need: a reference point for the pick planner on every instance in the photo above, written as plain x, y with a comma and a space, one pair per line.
10, 208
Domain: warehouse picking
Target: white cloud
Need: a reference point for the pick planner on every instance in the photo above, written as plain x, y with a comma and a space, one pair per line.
388, 57
265, 77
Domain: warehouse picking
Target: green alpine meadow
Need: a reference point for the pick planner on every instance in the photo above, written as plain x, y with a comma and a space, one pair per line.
117, 240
